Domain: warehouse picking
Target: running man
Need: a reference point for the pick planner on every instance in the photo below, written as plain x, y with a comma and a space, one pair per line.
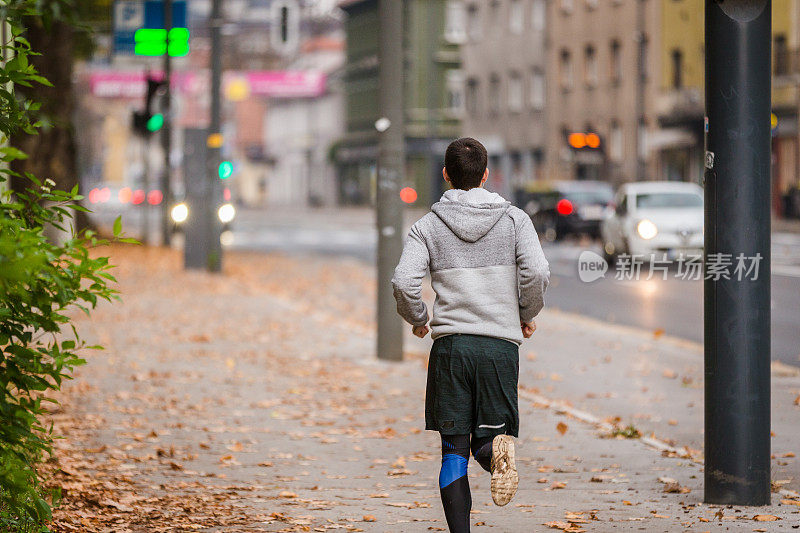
489, 274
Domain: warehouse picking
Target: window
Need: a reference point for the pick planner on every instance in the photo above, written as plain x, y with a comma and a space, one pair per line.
566, 70
515, 92
781, 56
616, 148
537, 94
677, 68
454, 82
590, 67
455, 22
494, 94
616, 62
516, 14
473, 96
643, 51
538, 14
474, 26
495, 12
668, 199
642, 133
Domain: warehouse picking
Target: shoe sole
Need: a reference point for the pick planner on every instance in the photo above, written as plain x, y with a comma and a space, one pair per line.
505, 478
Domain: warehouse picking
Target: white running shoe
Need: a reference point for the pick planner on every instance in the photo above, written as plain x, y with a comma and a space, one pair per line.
505, 478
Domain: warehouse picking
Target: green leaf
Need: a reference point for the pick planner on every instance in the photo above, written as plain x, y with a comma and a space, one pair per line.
10, 153
118, 226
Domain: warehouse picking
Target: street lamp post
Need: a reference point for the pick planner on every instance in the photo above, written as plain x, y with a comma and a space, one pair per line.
214, 142
391, 162
737, 224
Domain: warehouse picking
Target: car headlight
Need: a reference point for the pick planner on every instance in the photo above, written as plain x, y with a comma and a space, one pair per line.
226, 213
180, 213
646, 229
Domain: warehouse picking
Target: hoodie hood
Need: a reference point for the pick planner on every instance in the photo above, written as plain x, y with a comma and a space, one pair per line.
470, 214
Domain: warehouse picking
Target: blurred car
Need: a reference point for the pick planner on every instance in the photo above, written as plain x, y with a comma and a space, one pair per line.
660, 217
563, 208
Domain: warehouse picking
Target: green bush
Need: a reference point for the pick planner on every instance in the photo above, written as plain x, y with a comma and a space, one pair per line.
41, 280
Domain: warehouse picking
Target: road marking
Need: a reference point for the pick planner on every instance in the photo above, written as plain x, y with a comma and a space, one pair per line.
789, 271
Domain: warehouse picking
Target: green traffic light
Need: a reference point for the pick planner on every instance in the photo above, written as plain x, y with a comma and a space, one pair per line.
178, 42
225, 170
150, 42
155, 122
154, 42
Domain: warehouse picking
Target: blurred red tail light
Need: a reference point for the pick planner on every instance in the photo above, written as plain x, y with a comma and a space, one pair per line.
564, 207
154, 197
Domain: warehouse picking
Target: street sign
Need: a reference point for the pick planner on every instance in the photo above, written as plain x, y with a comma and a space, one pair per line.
154, 14
128, 17
133, 15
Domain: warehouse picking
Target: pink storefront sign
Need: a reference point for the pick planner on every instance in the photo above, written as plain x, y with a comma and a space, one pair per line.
272, 84
286, 84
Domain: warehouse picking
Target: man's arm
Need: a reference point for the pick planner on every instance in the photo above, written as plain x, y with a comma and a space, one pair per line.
407, 280
532, 268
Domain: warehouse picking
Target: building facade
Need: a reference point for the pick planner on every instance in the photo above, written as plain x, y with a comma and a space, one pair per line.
504, 64
299, 132
679, 105
433, 96
602, 79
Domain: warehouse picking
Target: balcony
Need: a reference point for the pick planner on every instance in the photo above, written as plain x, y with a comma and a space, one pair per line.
675, 107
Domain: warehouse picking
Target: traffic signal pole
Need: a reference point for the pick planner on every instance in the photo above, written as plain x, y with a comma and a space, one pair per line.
737, 221
391, 161
166, 134
214, 143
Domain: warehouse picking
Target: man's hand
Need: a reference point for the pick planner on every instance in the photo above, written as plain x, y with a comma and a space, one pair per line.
528, 328
420, 331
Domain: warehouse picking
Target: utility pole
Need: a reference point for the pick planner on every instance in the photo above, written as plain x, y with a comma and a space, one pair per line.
794, 68
145, 206
737, 221
641, 79
391, 163
214, 141
431, 41
166, 134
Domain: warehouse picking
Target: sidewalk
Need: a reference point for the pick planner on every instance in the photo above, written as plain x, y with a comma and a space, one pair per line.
785, 225
252, 401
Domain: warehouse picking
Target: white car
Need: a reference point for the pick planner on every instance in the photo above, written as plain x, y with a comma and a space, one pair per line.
654, 217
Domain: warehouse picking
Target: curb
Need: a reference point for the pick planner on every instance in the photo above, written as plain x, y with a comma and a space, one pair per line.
654, 443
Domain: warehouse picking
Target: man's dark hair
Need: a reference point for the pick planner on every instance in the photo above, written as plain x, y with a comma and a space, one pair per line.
465, 161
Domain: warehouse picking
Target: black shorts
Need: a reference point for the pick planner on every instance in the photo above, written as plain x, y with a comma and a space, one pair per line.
472, 386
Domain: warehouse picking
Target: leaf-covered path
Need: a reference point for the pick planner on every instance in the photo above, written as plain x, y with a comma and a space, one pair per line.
252, 401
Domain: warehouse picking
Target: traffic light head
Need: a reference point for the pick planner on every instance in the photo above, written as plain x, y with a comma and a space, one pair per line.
225, 170
139, 123
156, 42
155, 122
580, 140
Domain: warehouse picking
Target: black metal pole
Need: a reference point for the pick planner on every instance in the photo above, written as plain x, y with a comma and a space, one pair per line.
166, 135
391, 164
737, 221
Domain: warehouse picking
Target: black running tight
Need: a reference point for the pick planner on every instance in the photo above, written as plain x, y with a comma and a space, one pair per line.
453, 483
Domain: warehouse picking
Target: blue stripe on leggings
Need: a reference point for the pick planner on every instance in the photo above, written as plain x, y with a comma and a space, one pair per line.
454, 466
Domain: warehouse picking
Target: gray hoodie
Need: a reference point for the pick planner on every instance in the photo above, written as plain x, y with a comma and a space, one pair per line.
486, 264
